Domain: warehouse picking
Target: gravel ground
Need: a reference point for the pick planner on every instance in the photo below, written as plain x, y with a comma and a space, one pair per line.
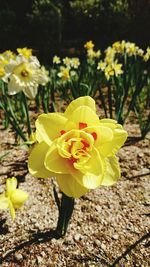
109, 226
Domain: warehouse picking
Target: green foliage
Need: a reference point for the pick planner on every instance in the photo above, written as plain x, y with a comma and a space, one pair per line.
118, 78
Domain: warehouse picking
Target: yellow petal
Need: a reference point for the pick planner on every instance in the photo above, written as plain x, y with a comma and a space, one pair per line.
36, 161
18, 198
90, 175
92, 181
112, 173
54, 162
108, 121
84, 114
69, 186
3, 202
110, 148
11, 184
103, 134
80, 101
49, 126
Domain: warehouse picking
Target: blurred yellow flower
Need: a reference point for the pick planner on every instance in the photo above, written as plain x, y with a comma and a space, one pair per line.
110, 55
89, 45
3, 61
93, 54
140, 52
147, 55
117, 68
101, 65
26, 52
43, 76
56, 60
75, 62
13, 198
113, 69
67, 61
130, 49
2, 72
64, 73
109, 71
117, 46
77, 148
8, 54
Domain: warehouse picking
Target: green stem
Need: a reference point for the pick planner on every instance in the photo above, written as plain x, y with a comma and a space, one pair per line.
65, 213
27, 114
14, 123
103, 101
110, 100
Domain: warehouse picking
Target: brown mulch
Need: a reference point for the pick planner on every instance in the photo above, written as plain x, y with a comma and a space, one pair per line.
109, 226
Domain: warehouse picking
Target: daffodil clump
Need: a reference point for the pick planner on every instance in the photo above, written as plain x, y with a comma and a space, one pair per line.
128, 48
77, 148
110, 70
117, 76
13, 198
91, 53
22, 72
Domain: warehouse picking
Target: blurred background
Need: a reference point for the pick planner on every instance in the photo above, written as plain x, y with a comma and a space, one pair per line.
62, 27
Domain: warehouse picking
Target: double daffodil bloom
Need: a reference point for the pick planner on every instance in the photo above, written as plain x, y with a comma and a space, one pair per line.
77, 148
13, 198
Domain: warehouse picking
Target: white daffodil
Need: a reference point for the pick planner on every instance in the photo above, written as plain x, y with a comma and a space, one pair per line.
25, 74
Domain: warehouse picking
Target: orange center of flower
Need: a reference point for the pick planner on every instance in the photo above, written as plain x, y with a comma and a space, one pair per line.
79, 146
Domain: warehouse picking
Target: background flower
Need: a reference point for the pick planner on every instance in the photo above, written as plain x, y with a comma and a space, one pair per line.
13, 198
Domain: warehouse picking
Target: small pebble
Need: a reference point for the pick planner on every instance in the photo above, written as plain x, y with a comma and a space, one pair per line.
103, 246
97, 242
39, 259
18, 256
115, 237
77, 237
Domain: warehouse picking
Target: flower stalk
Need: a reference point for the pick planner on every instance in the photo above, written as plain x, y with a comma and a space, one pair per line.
65, 212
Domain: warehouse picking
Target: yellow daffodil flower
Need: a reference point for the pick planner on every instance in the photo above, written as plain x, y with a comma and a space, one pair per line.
89, 45
77, 148
26, 52
8, 54
101, 65
140, 52
117, 68
13, 198
67, 62
2, 72
64, 73
56, 60
147, 54
109, 71
93, 54
117, 46
130, 49
75, 62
